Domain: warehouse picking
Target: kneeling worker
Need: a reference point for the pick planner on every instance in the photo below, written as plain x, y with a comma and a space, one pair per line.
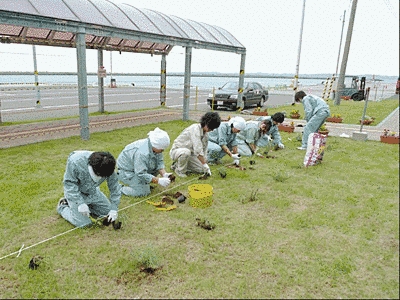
140, 162
85, 172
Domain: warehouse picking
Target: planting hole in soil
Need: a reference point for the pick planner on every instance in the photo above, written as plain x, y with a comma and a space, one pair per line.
172, 177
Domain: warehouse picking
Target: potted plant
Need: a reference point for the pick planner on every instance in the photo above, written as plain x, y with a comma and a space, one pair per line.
389, 137
258, 112
286, 127
323, 130
368, 120
294, 114
335, 118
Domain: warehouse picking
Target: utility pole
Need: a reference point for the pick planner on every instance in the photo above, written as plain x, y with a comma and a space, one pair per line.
296, 76
35, 72
343, 66
340, 44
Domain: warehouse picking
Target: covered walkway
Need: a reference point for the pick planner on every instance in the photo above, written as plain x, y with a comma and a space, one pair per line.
104, 25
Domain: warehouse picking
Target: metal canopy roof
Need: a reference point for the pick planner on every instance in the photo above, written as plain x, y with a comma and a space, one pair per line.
109, 26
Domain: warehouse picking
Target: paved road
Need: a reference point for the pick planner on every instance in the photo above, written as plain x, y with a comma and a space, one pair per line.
19, 104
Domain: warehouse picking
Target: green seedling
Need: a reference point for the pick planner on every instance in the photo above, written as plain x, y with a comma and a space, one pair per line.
206, 224
35, 262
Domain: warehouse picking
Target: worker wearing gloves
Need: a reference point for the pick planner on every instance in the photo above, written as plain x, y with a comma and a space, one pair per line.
272, 137
316, 111
85, 172
248, 138
189, 149
222, 141
140, 162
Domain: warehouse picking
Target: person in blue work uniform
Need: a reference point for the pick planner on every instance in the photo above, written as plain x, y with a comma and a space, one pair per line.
140, 163
84, 173
222, 140
272, 137
263, 132
316, 111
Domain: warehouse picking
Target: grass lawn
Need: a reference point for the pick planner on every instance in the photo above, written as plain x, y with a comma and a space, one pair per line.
328, 231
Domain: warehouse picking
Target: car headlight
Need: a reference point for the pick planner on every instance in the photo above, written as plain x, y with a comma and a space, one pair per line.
234, 96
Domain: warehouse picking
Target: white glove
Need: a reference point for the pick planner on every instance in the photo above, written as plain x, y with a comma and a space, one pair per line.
166, 175
281, 146
267, 137
164, 181
206, 169
236, 162
84, 209
236, 156
112, 215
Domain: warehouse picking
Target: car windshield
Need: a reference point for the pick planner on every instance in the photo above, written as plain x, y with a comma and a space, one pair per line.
232, 85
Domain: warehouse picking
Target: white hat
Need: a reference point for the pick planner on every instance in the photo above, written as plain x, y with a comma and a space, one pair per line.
238, 122
159, 139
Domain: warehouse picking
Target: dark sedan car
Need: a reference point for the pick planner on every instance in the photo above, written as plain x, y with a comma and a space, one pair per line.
227, 95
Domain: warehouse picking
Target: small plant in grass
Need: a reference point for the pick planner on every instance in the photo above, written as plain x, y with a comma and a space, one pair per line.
252, 198
147, 259
205, 224
280, 178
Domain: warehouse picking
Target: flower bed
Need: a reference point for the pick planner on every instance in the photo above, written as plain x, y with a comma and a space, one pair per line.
367, 122
260, 113
286, 127
335, 119
390, 137
323, 130
294, 114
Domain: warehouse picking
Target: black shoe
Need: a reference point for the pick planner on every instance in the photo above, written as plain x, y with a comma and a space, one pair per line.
62, 202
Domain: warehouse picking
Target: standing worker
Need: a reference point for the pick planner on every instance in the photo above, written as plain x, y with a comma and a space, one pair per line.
316, 111
222, 141
189, 150
84, 173
141, 161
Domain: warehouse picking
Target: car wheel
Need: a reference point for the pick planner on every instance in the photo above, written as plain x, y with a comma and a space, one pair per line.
357, 96
261, 103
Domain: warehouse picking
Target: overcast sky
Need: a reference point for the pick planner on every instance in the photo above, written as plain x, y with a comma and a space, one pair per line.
270, 31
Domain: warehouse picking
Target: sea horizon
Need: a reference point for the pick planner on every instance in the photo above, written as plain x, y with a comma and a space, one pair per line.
201, 80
